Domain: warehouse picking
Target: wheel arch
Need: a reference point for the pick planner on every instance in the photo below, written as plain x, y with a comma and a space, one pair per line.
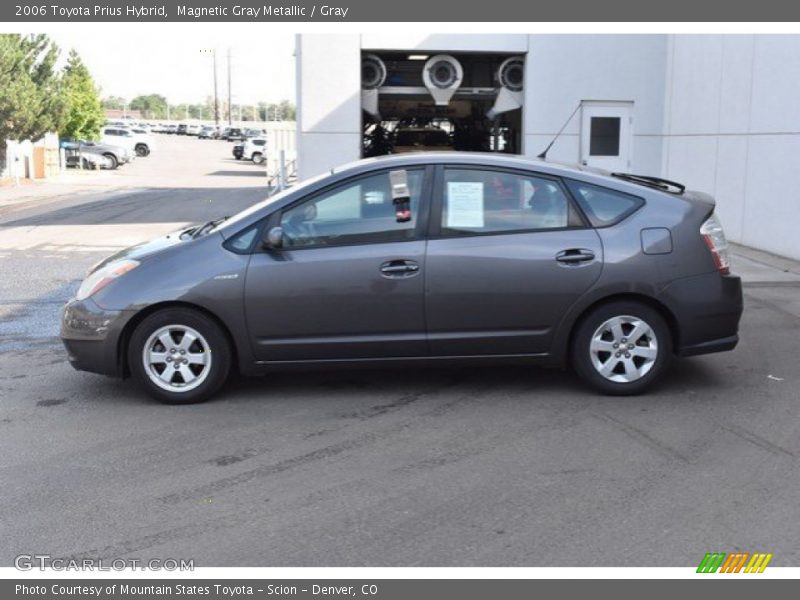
133, 323
661, 308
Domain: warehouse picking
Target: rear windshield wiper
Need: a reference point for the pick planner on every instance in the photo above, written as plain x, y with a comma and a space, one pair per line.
656, 182
204, 228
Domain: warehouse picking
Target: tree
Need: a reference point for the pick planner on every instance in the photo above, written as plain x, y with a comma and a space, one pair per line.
114, 103
84, 115
152, 106
31, 103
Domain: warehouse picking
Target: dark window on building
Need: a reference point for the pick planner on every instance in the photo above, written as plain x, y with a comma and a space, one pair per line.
605, 136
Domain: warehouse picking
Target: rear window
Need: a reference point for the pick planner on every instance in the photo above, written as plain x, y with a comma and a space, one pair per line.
603, 206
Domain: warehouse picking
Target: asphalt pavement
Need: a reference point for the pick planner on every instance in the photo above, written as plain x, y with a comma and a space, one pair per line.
501, 466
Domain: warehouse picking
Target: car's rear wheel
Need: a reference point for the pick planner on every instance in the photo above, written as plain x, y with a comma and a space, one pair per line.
179, 356
142, 150
258, 158
622, 348
113, 160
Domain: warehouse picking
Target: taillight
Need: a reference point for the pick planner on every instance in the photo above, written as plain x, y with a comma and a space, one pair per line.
714, 236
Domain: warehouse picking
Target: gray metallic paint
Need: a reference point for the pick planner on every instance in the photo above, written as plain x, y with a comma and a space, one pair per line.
474, 297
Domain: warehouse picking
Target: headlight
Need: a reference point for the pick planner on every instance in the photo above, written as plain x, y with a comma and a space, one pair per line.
102, 277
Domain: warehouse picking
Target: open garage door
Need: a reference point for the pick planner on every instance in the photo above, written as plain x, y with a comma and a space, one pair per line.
441, 101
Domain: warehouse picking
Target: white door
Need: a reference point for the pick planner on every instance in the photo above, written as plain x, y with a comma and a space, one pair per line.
606, 135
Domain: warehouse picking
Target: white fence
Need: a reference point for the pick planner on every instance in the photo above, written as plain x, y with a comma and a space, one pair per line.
28, 160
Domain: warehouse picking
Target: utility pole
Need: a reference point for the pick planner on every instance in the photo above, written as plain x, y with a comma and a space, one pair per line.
216, 96
230, 106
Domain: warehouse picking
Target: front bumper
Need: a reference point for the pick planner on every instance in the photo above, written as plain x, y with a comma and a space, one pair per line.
92, 334
707, 310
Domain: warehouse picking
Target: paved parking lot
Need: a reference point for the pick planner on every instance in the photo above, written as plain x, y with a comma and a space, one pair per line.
509, 466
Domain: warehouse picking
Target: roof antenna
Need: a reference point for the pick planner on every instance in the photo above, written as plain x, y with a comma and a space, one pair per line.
543, 155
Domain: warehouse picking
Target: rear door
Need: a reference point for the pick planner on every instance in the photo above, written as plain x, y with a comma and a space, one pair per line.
508, 254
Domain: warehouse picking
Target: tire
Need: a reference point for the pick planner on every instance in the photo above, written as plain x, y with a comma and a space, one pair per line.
192, 370
113, 159
607, 358
142, 150
258, 158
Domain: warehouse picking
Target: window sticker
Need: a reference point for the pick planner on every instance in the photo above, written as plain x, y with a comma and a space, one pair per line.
464, 204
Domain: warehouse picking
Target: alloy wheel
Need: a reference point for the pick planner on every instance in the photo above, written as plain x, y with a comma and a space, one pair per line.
177, 358
623, 349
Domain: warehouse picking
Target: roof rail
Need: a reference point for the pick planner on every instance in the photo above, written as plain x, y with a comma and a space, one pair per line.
656, 182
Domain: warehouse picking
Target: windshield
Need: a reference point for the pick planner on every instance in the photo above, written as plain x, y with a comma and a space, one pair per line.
230, 226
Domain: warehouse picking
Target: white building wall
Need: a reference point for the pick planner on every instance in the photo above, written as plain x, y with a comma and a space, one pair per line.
563, 70
719, 113
732, 128
328, 102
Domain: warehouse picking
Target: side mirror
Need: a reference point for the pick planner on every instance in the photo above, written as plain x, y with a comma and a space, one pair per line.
274, 239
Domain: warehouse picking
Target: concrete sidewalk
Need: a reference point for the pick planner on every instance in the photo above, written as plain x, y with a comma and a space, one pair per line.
68, 183
757, 267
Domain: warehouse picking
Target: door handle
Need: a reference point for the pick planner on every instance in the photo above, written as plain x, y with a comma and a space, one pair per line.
574, 256
399, 268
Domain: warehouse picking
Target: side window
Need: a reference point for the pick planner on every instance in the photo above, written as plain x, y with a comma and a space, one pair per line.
356, 212
242, 242
480, 201
603, 206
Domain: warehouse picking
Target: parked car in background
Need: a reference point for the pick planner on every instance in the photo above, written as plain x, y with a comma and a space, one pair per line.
144, 142
234, 134
238, 151
414, 259
193, 129
254, 149
115, 155
181, 130
208, 132
75, 158
119, 136
255, 132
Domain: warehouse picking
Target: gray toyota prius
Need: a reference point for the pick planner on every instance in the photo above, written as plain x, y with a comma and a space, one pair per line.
424, 258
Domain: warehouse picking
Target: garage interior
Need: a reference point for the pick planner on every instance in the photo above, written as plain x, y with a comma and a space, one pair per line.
415, 101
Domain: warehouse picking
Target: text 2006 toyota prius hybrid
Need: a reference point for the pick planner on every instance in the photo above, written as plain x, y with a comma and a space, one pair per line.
430, 257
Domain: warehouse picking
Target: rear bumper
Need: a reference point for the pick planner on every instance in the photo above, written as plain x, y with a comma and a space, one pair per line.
707, 310
91, 336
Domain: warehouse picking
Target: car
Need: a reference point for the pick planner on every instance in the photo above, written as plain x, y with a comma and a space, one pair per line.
114, 155
420, 259
75, 158
238, 151
119, 136
208, 132
181, 130
171, 129
421, 139
234, 134
252, 132
254, 149
144, 142
193, 129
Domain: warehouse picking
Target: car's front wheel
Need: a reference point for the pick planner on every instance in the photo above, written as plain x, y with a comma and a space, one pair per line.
142, 150
622, 348
179, 356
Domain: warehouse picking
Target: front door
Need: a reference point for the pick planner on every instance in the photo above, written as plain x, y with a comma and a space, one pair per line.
509, 254
606, 135
348, 281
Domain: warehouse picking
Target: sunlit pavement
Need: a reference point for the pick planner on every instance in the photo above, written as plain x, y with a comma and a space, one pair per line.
494, 466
